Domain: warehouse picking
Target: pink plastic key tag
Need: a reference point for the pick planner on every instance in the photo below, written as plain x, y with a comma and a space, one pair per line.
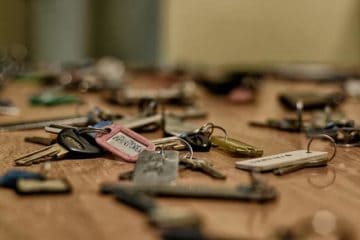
124, 142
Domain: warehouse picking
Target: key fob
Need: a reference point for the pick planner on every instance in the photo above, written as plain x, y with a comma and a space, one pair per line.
124, 143
78, 145
198, 141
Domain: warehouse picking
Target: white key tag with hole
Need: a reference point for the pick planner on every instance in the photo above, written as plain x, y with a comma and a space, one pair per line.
124, 142
288, 159
281, 160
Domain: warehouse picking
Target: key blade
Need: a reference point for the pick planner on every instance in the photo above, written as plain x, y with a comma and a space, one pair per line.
17, 126
139, 122
36, 156
242, 192
211, 171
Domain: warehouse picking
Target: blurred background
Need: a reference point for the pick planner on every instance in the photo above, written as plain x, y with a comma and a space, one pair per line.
196, 33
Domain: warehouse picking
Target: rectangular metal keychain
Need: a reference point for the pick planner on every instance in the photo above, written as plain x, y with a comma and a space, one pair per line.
153, 168
124, 142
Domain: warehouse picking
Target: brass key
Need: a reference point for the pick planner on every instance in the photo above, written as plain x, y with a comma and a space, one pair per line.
45, 154
296, 167
204, 166
68, 142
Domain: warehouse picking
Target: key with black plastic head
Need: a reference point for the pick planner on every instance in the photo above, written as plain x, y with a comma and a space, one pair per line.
69, 143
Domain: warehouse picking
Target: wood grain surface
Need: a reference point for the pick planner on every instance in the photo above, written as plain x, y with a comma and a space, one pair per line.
85, 214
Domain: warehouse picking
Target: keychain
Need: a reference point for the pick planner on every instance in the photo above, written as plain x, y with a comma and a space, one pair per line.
123, 142
290, 161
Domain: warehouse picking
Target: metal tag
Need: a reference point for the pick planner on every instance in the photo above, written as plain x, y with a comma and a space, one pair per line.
124, 142
154, 168
280, 160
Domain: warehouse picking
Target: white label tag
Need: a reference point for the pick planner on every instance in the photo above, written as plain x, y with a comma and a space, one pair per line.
126, 144
280, 160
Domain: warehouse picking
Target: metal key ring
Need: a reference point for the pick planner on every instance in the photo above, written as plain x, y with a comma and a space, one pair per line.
316, 185
181, 140
212, 126
323, 136
94, 130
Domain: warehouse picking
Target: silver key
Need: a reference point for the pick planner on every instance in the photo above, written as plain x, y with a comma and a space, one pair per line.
135, 122
204, 166
130, 123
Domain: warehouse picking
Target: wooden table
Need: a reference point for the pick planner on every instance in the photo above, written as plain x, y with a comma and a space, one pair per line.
85, 214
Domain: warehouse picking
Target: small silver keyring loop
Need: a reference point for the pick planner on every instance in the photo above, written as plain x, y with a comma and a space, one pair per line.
186, 143
323, 136
94, 130
212, 126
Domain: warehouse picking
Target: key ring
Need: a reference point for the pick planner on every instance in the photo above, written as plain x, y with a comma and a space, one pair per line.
211, 126
328, 138
179, 139
94, 130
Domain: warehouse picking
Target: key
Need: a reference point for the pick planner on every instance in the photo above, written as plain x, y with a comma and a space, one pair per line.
296, 167
182, 94
203, 166
139, 122
189, 113
173, 126
256, 191
287, 124
95, 115
131, 123
199, 142
235, 147
40, 140
311, 100
69, 142
163, 217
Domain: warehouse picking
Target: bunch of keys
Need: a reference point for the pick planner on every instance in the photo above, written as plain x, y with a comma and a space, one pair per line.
159, 161
202, 139
69, 142
344, 136
288, 162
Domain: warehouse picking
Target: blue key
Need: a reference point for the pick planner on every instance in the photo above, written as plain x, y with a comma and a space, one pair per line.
100, 124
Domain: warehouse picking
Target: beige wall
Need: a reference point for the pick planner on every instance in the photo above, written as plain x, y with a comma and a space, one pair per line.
220, 32
12, 22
